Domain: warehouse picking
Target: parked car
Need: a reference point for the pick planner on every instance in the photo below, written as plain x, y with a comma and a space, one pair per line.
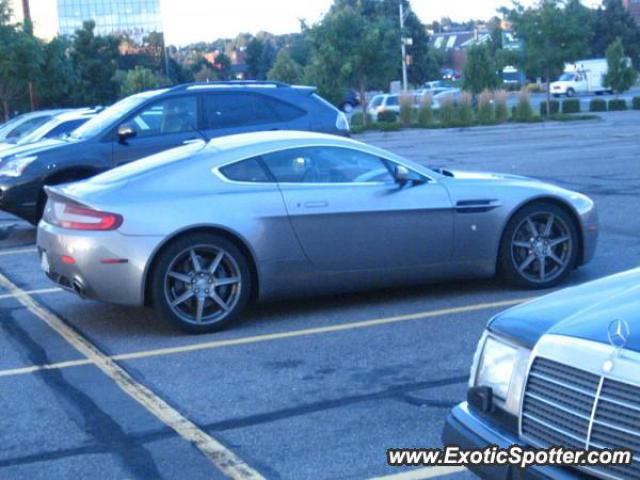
60, 124
351, 100
438, 98
562, 371
25, 123
150, 122
201, 230
387, 102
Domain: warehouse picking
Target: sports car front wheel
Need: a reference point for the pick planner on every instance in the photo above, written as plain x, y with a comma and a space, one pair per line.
539, 246
201, 283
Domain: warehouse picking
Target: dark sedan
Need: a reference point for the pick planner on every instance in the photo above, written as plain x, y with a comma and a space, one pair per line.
561, 371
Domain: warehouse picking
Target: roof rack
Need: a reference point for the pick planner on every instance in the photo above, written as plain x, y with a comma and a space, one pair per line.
230, 83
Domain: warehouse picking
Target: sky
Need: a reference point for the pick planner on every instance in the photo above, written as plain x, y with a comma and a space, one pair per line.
188, 21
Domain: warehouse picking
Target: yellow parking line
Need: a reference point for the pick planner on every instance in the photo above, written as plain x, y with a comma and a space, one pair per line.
423, 473
224, 459
31, 292
318, 330
269, 337
17, 251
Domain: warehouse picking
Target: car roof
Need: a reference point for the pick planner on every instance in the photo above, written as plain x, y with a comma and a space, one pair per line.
76, 114
285, 138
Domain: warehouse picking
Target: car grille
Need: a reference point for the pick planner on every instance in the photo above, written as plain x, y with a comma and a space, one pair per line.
574, 408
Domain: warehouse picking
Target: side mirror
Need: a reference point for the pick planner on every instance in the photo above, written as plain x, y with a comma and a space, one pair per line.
126, 132
403, 176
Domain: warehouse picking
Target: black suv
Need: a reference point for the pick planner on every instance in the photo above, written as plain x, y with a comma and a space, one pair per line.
150, 122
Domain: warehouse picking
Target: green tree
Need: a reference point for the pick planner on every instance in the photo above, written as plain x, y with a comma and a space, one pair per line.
480, 70
611, 21
138, 80
222, 66
94, 58
57, 81
20, 60
620, 76
554, 33
353, 49
253, 54
286, 69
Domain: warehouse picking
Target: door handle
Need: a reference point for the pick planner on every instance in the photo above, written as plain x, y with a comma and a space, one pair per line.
192, 140
317, 204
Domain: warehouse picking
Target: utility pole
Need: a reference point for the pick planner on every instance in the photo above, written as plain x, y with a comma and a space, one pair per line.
403, 49
26, 15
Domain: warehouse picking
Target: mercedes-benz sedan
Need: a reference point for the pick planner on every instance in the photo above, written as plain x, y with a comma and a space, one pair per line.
201, 230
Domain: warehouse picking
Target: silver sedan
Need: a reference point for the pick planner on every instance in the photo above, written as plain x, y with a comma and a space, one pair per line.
200, 231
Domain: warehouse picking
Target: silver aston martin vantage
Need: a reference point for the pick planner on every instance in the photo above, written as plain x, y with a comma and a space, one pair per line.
199, 231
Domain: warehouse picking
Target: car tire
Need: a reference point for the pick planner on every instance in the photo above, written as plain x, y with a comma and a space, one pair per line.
202, 294
539, 246
571, 92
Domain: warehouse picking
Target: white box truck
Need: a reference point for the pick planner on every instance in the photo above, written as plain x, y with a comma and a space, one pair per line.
584, 76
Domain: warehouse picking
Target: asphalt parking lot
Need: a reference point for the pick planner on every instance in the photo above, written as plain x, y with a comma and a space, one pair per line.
302, 389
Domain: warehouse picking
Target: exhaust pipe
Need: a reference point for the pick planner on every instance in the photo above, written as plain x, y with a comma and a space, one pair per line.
79, 289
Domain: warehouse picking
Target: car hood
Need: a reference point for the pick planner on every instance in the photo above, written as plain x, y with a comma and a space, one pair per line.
582, 312
33, 148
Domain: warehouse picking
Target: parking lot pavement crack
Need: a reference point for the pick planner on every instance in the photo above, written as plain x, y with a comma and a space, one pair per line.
306, 409
85, 413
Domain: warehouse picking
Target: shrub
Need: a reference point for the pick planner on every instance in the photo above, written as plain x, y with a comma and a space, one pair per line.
535, 88
501, 109
635, 103
523, 110
555, 107
447, 111
598, 105
425, 113
406, 108
465, 110
571, 106
486, 110
617, 104
357, 119
387, 116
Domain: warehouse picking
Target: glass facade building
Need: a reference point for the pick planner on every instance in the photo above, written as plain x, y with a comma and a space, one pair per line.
135, 18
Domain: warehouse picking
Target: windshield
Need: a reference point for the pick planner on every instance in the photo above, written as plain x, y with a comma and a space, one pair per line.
107, 117
567, 77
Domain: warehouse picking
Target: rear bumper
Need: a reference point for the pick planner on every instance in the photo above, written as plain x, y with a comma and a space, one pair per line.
121, 281
469, 431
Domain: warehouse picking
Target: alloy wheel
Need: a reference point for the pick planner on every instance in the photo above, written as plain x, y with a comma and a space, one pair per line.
541, 247
203, 284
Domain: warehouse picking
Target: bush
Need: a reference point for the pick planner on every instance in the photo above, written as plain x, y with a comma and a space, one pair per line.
635, 103
425, 113
598, 105
555, 108
406, 109
447, 112
523, 110
571, 106
357, 119
387, 116
501, 109
535, 88
465, 110
486, 110
617, 104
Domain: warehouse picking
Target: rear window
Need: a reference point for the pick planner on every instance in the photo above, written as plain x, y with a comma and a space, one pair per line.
246, 171
65, 127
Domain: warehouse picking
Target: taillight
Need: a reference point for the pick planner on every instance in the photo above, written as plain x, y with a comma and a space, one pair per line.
79, 217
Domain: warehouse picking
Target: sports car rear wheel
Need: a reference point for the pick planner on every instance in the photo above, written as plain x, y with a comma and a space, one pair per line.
539, 246
201, 283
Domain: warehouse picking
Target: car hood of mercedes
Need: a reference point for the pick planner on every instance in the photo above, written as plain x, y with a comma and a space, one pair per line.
584, 312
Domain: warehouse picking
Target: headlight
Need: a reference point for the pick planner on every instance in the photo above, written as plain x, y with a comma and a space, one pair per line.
496, 366
15, 166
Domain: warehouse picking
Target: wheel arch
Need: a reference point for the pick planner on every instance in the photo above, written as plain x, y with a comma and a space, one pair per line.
558, 202
225, 233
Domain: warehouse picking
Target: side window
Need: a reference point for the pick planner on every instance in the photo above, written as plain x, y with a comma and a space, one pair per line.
246, 171
327, 165
28, 126
65, 127
284, 111
172, 115
228, 110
